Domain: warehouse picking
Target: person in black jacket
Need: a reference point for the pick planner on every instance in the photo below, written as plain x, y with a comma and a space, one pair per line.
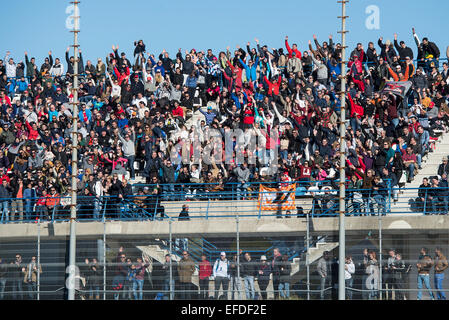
115, 191
285, 270
276, 264
248, 273
443, 167
17, 272
95, 279
263, 276
71, 61
139, 47
184, 214
3, 277
402, 49
5, 195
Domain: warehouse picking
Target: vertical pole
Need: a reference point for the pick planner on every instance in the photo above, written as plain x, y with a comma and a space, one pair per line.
72, 246
390, 194
342, 244
38, 258
238, 257
380, 257
171, 248
104, 259
307, 255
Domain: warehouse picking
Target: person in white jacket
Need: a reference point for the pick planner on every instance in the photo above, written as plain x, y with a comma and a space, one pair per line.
221, 275
57, 70
349, 280
11, 67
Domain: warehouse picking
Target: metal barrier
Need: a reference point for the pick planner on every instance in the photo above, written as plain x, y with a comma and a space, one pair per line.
235, 199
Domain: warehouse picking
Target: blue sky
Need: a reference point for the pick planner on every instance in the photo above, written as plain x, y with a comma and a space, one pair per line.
39, 26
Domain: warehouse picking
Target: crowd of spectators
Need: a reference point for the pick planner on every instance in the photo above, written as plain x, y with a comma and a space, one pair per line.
139, 119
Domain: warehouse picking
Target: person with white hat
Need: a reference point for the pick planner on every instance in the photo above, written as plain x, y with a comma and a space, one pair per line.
263, 276
221, 275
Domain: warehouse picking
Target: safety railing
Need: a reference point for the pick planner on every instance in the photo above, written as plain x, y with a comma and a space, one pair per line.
249, 200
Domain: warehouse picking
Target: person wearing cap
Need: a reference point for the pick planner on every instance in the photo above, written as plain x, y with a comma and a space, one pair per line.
221, 275
264, 271
444, 166
294, 64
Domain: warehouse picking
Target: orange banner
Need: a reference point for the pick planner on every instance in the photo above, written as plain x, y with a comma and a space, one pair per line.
273, 199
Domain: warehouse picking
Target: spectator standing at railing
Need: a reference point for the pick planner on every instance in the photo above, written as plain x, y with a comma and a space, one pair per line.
264, 271
276, 265
235, 280
249, 272
424, 200
95, 279
424, 266
17, 270
52, 202
5, 196
139, 278
440, 266
3, 277
186, 268
221, 273
30, 198
31, 271
443, 194
205, 271
121, 271
323, 269
349, 276
284, 279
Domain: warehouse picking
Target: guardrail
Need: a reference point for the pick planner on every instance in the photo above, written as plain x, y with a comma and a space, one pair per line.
234, 199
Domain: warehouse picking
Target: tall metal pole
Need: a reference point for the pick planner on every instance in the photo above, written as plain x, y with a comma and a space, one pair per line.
38, 258
104, 259
72, 245
171, 268
380, 257
342, 235
307, 256
238, 258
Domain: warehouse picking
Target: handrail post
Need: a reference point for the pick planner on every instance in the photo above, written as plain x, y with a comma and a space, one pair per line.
390, 193
53, 214
104, 210
425, 202
207, 210
155, 208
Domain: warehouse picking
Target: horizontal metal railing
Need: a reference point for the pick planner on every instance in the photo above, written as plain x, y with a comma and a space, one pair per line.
227, 202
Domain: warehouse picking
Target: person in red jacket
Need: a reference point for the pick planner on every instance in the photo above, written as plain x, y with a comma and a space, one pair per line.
357, 113
356, 70
305, 171
204, 273
122, 76
33, 134
291, 50
273, 87
178, 111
